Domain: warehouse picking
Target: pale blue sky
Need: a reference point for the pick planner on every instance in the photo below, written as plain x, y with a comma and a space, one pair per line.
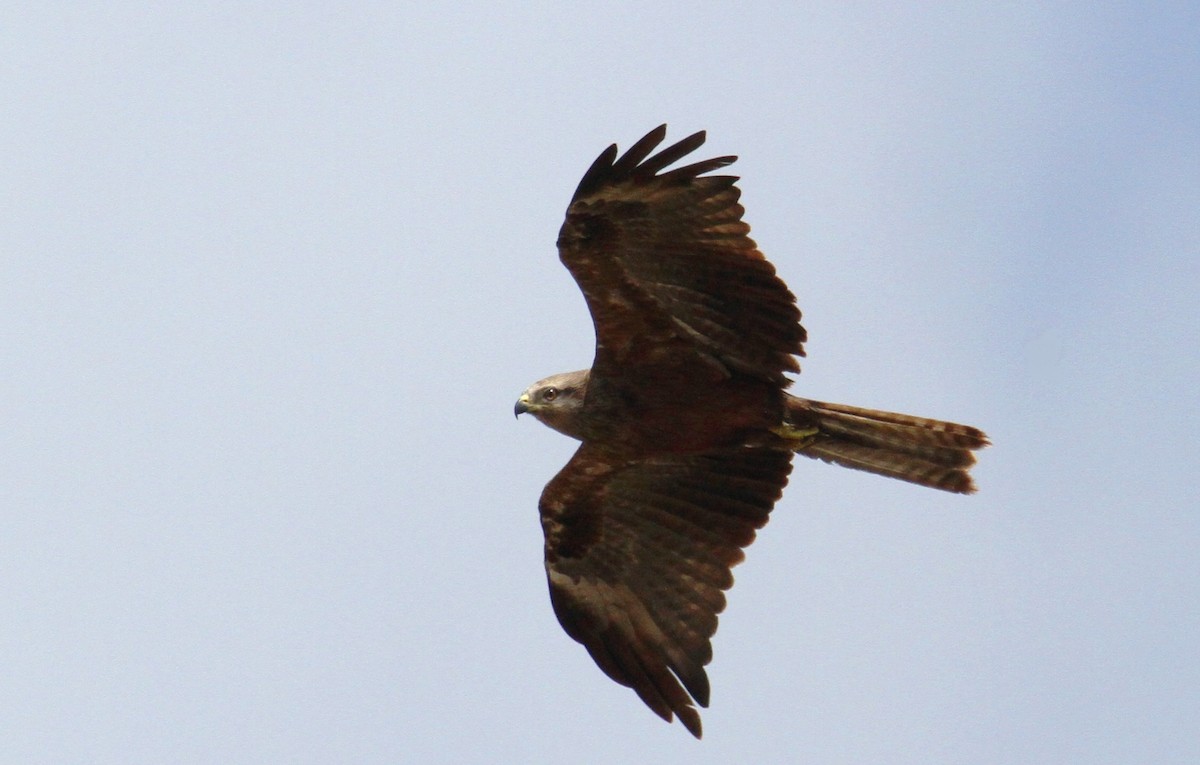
272, 276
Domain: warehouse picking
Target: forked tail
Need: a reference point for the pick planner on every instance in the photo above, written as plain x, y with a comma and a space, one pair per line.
915, 449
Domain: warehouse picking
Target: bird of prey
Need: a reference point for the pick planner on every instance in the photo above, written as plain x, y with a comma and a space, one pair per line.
687, 430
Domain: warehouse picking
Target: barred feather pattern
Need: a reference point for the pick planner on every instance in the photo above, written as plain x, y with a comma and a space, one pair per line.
666, 264
638, 556
919, 450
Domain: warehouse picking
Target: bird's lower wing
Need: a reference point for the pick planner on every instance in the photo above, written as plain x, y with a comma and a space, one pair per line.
638, 555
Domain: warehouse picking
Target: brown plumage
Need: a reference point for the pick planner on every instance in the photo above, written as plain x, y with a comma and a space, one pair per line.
686, 427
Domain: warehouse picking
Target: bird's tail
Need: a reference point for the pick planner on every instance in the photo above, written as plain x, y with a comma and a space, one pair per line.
915, 449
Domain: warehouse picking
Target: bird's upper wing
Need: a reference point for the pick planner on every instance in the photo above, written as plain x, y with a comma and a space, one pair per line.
638, 556
666, 265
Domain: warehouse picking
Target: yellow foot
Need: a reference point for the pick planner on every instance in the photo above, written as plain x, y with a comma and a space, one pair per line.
801, 437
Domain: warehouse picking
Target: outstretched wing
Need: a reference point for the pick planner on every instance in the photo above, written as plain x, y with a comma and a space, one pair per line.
638, 556
668, 269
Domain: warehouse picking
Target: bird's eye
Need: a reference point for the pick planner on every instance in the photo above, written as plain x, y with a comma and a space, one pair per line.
550, 394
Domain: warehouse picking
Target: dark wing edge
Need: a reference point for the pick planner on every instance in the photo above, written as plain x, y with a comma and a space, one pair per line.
638, 556
633, 165
664, 256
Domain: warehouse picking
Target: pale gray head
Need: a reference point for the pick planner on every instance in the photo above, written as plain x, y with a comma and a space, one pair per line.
557, 401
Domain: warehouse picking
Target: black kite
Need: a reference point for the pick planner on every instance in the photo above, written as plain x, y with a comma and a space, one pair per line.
687, 432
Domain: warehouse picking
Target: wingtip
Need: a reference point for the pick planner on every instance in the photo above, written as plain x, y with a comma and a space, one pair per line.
691, 720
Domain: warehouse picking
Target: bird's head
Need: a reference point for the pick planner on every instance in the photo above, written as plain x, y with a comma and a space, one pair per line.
556, 401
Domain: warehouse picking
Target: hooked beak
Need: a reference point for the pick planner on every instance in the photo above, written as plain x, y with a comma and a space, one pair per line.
522, 405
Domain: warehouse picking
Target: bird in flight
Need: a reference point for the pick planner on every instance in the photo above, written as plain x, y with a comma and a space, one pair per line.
687, 431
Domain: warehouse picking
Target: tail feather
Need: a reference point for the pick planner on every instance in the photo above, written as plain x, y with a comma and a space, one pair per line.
916, 449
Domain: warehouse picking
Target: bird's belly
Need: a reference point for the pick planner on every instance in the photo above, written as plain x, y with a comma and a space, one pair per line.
699, 418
